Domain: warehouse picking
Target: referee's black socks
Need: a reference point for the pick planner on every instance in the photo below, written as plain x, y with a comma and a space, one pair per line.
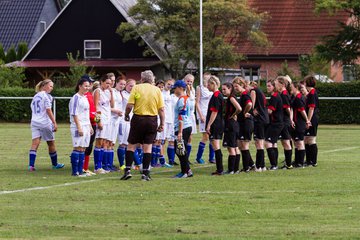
219, 161
260, 158
129, 159
146, 163
237, 163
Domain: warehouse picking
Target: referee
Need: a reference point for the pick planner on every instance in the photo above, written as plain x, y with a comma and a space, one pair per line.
147, 103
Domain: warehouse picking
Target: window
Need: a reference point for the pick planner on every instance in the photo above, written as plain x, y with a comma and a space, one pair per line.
350, 72
92, 49
251, 72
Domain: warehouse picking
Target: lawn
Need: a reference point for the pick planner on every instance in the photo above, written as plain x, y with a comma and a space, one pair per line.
310, 203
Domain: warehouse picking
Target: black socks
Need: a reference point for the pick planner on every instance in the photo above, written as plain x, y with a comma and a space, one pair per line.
231, 163
237, 163
260, 158
219, 163
129, 159
288, 155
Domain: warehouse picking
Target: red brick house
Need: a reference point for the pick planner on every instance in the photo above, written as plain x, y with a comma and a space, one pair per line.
293, 30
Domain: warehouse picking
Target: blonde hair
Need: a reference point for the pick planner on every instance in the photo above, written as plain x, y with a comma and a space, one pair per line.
214, 80
96, 85
42, 84
240, 81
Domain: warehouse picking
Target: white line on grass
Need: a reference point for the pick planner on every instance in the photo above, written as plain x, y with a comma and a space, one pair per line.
81, 182
340, 149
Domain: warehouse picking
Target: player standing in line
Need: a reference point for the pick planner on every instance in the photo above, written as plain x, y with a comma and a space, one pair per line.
261, 120
80, 127
43, 123
171, 151
245, 121
190, 91
282, 86
123, 137
104, 101
182, 127
203, 96
231, 129
300, 123
312, 110
275, 110
116, 117
214, 122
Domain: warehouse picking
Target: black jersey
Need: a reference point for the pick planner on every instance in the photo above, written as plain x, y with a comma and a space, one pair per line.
216, 105
312, 101
244, 100
230, 108
276, 105
260, 106
298, 105
286, 99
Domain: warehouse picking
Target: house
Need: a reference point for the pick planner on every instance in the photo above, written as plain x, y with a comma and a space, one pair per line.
293, 29
88, 27
25, 21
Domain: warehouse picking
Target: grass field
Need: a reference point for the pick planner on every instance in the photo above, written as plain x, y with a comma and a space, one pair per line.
310, 203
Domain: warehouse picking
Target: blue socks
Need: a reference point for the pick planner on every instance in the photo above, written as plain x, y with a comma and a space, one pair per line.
81, 162
137, 159
111, 158
200, 151
153, 156
171, 154
74, 162
53, 157
211, 152
188, 149
97, 158
32, 158
140, 153
121, 155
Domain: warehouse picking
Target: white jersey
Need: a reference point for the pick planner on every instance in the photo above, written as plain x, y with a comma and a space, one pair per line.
118, 104
169, 109
174, 100
39, 104
79, 106
126, 96
205, 96
103, 106
191, 101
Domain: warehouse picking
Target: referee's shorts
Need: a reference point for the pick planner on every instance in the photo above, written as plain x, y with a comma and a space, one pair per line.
143, 129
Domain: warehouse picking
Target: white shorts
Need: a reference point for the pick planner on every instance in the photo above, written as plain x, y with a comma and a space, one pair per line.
45, 133
193, 120
167, 134
81, 141
105, 133
114, 130
202, 126
124, 134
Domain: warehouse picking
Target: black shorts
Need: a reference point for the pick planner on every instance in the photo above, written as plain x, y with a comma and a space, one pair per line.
297, 134
259, 130
216, 133
312, 131
143, 129
230, 132
272, 132
246, 130
285, 133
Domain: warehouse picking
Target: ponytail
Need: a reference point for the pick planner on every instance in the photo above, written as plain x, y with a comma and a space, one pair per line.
41, 84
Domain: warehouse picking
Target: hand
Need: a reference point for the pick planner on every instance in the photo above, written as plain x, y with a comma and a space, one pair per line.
120, 113
234, 117
160, 128
308, 124
81, 132
202, 119
292, 124
100, 126
247, 115
208, 130
179, 136
55, 127
255, 112
127, 118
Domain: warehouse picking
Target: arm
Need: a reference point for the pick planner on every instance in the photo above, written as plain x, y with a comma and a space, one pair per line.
78, 126
128, 109
179, 136
197, 104
162, 119
211, 121
311, 113
52, 118
112, 101
253, 97
303, 115
237, 107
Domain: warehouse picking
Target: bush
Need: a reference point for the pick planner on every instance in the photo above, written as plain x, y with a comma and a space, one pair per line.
19, 110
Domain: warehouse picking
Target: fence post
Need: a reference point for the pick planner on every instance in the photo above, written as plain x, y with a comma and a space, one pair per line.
54, 108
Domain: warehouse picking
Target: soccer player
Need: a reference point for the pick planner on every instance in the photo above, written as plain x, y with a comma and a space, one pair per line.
203, 96
299, 123
43, 124
123, 136
275, 110
231, 129
246, 123
312, 110
261, 120
190, 91
116, 117
104, 101
282, 86
80, 127
182, 126
214, 122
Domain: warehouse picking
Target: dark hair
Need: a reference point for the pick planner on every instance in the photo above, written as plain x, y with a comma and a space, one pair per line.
81, 82
159, 82
271, 81
310, 81
231, 87
104, 78
118, 79
297, 85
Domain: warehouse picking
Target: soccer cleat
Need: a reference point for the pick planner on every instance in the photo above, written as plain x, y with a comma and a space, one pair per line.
100, 171
166, 165
58, 166
216, 173
181, 175
145, 178
237, 172
127, 175
122, 167
314, 164
273, 168
229, 172
258, 170
114, 169
89, 172
31, 169
212, 161
253, 167
200, 161
83, 175
287, 167
264, 169
190, 173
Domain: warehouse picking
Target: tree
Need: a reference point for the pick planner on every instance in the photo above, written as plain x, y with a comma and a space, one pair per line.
175, 25
2, 53
22, 49
10, 55
314, 64
342, 46
11, 76
77, 69
286, 70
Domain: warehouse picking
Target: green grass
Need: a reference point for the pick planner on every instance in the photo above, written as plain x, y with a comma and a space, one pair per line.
311, 203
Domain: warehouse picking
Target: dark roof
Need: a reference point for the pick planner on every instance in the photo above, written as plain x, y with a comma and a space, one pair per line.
18, 20
293, 27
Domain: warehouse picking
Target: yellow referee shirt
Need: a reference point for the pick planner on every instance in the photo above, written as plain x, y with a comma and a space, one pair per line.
147, 99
